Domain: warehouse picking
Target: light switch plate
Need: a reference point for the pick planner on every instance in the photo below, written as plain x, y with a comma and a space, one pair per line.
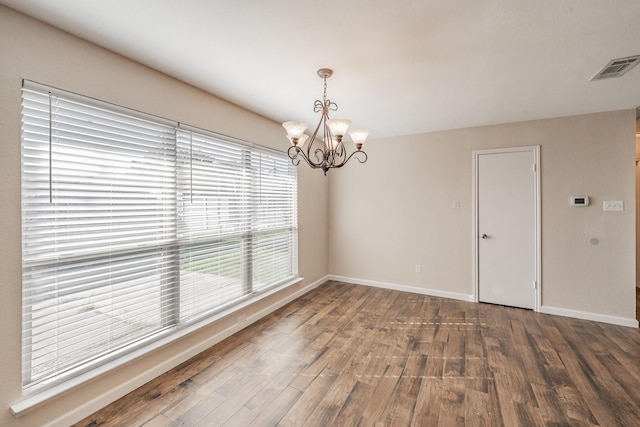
613, 206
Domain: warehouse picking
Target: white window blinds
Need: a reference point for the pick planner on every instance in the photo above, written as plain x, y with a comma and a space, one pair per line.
213, 229
274, 221
133, 226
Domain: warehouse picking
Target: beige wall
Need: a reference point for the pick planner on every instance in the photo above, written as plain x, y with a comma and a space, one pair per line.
31, 50
396, 211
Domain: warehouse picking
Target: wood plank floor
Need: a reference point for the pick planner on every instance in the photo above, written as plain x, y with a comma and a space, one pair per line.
349, 355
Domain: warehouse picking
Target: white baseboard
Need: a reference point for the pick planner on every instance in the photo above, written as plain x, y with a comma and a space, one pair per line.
585, 315
558, 311
126, 387
404, 288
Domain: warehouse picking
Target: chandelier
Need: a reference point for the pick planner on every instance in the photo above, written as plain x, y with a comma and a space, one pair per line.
327, 150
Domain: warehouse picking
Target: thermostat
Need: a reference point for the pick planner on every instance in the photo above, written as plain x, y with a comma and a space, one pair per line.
579, 200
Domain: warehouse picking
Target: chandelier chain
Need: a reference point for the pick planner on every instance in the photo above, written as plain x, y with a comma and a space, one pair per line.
324, 95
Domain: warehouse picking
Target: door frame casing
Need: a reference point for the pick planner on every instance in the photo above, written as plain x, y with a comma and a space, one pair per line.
537, 221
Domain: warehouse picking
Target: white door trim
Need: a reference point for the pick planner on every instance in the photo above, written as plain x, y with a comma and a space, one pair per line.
476, 155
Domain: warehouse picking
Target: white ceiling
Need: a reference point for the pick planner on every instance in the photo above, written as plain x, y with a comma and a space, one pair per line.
400, 67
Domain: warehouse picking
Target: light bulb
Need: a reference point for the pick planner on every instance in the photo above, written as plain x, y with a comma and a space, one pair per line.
294, 129
358, 137
338, 127
303, 138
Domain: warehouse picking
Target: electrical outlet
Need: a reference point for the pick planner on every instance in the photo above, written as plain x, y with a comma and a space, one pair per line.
418, 268
242, 318
613, 206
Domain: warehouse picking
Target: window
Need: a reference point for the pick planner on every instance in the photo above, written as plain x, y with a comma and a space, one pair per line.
133, 226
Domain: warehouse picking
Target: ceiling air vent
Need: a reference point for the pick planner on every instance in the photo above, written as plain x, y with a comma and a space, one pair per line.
617, 67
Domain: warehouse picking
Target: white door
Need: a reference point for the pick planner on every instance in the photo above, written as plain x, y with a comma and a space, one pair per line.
507, 237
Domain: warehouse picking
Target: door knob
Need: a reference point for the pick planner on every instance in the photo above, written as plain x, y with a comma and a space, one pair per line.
484, 236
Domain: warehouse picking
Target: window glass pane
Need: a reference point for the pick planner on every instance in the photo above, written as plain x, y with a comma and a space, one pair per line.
132, 226
214, 190
214, 187
93, 308
211, 276
273, 254
98, 222
274, 225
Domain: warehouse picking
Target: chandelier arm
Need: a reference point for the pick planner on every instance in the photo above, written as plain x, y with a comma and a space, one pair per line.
332, 158
294, 153
357, 157
298, 153
321, 156
337, 156
327, 141
313, 141
341, 150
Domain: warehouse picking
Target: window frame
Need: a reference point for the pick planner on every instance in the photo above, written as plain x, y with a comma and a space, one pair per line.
176, 327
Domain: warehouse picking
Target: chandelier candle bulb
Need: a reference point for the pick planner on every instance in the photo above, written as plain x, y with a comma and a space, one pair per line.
300, 141
338, 127
331, 144
295, 130
358, 137
325, 150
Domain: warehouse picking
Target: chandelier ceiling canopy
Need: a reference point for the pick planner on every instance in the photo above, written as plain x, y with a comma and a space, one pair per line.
325, 149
